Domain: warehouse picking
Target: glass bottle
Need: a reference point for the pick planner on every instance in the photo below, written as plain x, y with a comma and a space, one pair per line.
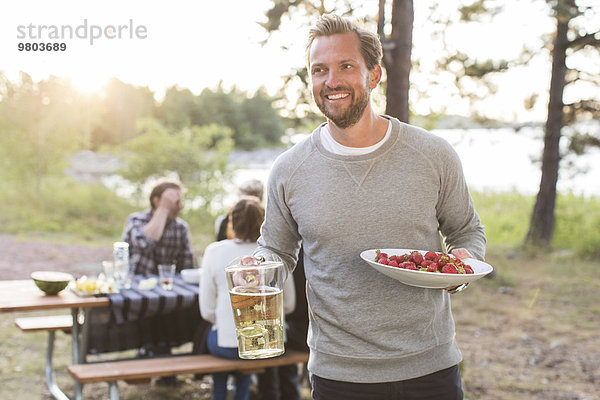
121, 264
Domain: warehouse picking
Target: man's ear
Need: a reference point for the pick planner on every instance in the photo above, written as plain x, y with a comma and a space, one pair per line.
375, 76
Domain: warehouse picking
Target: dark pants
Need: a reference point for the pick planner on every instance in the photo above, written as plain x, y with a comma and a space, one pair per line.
440, 385
242, 381
279, 383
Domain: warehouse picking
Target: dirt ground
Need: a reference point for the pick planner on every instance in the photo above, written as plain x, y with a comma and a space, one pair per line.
21, 257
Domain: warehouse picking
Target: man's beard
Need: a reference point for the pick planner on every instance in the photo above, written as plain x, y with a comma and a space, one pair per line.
352, 114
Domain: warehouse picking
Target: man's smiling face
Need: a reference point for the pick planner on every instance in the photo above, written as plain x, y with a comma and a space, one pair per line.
340, 78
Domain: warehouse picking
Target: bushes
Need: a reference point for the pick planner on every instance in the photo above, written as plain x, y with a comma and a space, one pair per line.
91, 211
61, 205
577, 225
504, 215
83, 211
506, 219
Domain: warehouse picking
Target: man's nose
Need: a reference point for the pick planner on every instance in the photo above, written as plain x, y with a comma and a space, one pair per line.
333, 79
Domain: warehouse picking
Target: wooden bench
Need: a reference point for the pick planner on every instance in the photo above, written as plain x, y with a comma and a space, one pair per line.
144, 368
46, 323
50, 324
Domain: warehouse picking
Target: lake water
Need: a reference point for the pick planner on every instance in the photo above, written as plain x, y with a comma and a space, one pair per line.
493, 160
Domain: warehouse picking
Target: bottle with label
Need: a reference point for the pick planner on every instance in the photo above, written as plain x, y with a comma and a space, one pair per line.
121, 265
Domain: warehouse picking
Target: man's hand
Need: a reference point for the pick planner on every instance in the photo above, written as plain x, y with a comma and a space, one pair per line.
170, 200
167, 208
459, 253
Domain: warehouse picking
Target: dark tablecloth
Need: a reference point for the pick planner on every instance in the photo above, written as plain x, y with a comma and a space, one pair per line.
148, 318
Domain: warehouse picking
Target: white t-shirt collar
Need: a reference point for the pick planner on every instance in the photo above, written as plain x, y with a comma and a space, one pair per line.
331, 145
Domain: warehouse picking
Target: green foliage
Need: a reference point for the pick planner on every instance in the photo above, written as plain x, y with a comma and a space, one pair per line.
119, 109
576, 225
253, 120
63, 206
580, 141
505, 216
506, 219
40, 124
178, 108
476, 10
91, 211
83, 212
197, 156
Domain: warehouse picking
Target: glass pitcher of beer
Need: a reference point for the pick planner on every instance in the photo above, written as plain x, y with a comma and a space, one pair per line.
256, 293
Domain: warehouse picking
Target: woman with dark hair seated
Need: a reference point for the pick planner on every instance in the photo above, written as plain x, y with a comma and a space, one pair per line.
245, 219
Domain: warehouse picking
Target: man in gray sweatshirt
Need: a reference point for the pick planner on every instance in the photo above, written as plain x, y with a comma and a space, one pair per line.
364, 181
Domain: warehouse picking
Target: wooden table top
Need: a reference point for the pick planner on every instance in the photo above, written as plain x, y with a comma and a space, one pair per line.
24, 295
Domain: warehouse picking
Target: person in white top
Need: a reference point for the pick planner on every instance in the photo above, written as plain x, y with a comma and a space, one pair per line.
245, 219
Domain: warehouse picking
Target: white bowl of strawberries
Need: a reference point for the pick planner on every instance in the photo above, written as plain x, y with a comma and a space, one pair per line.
426, 269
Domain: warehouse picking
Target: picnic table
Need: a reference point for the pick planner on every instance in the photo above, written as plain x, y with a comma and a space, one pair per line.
129, 319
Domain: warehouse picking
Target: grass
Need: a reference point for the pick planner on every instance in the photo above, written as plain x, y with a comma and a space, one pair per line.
67, 211
92, 213
506, 219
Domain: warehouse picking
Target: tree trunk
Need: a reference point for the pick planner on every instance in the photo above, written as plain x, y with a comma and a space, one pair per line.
542, 218
397, 53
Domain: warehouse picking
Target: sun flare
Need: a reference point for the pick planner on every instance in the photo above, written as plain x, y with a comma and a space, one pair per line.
88, 82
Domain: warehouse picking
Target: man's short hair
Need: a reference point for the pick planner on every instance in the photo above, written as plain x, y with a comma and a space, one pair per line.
332, 24
161, 186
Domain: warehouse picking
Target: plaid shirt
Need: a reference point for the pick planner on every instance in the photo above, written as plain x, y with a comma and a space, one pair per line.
146, 253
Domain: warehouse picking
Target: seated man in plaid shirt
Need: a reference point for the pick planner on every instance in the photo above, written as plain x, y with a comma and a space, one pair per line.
158, 236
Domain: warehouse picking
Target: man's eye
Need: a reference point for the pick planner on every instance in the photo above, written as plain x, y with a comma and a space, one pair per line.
317, 70
346, 66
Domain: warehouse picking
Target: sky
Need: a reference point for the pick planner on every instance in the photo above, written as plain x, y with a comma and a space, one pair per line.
190, 43
197, 44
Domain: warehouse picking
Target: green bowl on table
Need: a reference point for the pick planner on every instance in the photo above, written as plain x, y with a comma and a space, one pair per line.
51, 282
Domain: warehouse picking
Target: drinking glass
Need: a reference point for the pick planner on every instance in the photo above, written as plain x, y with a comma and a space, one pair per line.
256, 293
108, 268
166, 274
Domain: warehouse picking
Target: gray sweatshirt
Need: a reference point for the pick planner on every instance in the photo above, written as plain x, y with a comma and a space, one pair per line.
409, 193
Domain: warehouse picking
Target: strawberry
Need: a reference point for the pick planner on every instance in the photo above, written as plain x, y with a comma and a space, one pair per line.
449, 269
442, 259
383, 261
416, 257
457, 261
430, 262
379, 254
408, 265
